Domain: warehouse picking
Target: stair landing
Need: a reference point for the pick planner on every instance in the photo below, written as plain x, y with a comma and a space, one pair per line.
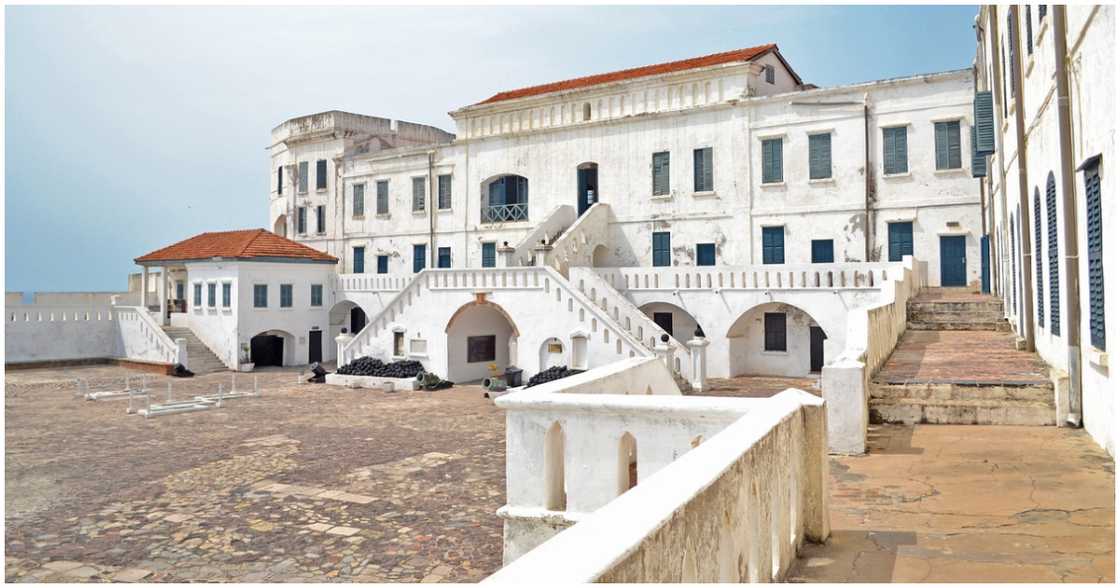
962, 357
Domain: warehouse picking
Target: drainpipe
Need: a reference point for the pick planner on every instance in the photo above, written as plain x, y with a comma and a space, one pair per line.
431, 213
1025, 252
1069, 216
869, 182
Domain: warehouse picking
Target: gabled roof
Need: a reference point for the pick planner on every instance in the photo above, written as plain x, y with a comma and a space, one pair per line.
744, 55
250, 244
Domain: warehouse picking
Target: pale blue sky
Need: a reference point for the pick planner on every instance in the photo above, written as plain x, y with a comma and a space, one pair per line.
130, 128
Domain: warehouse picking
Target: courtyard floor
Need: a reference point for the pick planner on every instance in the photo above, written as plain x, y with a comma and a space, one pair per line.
307, 483
948, 503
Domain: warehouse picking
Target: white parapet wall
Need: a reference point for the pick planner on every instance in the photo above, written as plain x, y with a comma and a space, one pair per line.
736, 508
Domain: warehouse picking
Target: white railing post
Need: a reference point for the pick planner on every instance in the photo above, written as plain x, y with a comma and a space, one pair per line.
181, 352
698, 347
342, 341
665, 352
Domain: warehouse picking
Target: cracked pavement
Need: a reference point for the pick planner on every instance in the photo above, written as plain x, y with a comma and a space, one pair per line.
968, 503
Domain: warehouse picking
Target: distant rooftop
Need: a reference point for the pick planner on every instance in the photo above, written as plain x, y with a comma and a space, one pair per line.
248, 244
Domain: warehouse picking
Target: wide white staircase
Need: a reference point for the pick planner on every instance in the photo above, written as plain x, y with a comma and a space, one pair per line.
199, 356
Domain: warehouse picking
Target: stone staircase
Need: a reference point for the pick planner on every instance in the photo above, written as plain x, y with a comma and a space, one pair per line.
957, 363
199, 356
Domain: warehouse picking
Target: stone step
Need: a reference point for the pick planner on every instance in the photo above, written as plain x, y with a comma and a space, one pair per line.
925, 325
911, 411
1042, 392
954, 306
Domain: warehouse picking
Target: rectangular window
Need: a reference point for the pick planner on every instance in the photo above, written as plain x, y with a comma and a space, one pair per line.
481, 348
383, 197
398, 344
321, 174
702, 170
771, 161
661, 173
419, 257
227, 292
382, 264
662, 256
285, 295
489, 255
359, 260
303, 177
705, 254
665, 321
301, 220
418, 194
1095, 252
321, 219
444, 192
316, 294
198, 295
280, 179
894, 151
773, 245
443, 257
211, 295
820, 156
769, 74
359, 200
900, 240
1012, 44
1030, 29
947, 136
822, 251
260, 295
775, 324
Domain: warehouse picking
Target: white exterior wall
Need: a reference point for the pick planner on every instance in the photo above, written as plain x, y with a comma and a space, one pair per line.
296, 321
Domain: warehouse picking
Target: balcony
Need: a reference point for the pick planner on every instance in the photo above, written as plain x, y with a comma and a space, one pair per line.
505, 213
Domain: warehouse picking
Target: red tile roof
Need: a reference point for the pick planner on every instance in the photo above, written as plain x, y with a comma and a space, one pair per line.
626, 74
246, 244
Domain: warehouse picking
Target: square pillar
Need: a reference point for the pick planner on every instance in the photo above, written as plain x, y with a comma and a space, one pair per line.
163, 296
144, 288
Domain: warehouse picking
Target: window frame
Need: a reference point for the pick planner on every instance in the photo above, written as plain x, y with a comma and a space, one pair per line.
666, 169
211, 295
227, 294
767, 156
664, 254
260, 290
197, 294
358, 203
419, 199
316, 289
775, 339
291, 295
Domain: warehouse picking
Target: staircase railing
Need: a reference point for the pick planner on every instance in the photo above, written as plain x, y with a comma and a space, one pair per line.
142, 339
576, 245
791, 276
554, 224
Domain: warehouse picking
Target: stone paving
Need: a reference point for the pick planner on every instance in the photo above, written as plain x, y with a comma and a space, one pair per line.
309, 483
759, 386
969, 503
962, 357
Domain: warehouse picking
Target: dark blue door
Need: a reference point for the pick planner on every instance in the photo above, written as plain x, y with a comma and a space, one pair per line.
900, 240
822, 251
952, 261
985, 269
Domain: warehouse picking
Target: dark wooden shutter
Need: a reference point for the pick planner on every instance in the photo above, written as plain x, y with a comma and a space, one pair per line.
1041, 312
702, 169
280, 180
772, 161
1095, 252
661, 173
1030, 30
383, 197
1052, 255
979, 162
820, 156
1012, 40
359, 199
444, 192
774, 324
984, 132
321, 174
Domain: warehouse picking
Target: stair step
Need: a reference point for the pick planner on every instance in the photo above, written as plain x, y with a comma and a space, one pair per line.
1000, 325
911, 411
1039, 392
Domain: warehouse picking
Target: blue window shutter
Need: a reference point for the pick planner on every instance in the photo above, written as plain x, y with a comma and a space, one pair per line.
489, 254
984, 132
894, 150
662, 253
359, 260
661, 173
705, 254
771, 160
1052, 255
820, 156
702, 169
1012, 40
419, 255
1030, 30
954, 130
773, 245
280, 179
822, 251
321, 174
900, 240
1038, 258
1095, 252
979, 161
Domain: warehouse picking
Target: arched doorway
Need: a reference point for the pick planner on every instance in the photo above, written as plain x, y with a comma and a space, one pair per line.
599, 256
481, 338
775, 339
587, 186
272, 348
280, 227
505, 198
551, 353
347, 315
676, 321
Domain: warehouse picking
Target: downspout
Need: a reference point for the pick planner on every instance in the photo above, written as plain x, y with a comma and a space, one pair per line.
1025, 252
431, 213
1069, 216
868, 185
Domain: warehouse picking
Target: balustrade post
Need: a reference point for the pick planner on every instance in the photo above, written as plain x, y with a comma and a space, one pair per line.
181, 352
342, 340
665, 352
505, 255
698, 346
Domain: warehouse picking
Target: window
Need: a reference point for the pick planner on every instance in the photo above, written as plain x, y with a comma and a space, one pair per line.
1052, 254
285, 295
1030, 30
665, 321
321, 174
443, 257
398, 344
489, 255
316, 294
418, 194
211, 295
506, 200
280, 179
773, 245
769, 71
359, 200
705, 254
1012, 41
301, 220
894, 151
1038, 256
1041, 12
822, 251
321, 219
481, 348
419, 253
303, 177
383, 197
775, 325
586, 111
227, 291
260, 295
444, 192
662, 256
771, 161
947, 137
900, 240
359, 260
702, 170
198, 295
1003, 69
661, 173
1094, 251
382, 264
820, 156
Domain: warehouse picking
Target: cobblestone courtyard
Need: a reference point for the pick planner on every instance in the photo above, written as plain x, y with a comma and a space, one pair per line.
307, 483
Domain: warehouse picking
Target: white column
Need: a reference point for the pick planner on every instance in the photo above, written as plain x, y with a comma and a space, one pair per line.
505, 255
341, 341
144, 288
698, 346
163, 296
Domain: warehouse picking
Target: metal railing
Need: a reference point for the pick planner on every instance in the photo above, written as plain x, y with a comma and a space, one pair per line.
505, 213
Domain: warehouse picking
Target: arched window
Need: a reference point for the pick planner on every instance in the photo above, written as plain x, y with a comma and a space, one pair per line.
627, 462
1038, 256
1052, 254
505, 199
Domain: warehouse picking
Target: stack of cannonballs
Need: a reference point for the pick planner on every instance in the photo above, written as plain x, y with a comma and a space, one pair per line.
553, 373
368, 366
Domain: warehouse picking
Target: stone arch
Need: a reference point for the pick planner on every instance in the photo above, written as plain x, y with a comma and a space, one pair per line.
273, 347
479, 334
748, 352
552, 353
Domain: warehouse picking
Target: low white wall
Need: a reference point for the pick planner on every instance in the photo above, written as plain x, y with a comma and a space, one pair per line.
636, 375
55, 332
734, 509
140, 338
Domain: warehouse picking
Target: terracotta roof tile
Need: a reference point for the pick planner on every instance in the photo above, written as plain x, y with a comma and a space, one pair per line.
637, 72
246, 244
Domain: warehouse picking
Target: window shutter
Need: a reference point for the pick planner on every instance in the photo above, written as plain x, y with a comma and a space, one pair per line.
280, 179
1030, 30
1011, 42
979, 161
953, 129
708, 173
1095, 254
1052, 255
984, 132
901, 159
888, 151
321, 174
772, 160
820, 156
941, 143
1041, 11
1038, 258
661, 173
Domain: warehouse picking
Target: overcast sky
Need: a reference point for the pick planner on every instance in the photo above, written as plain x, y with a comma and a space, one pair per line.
130, 128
